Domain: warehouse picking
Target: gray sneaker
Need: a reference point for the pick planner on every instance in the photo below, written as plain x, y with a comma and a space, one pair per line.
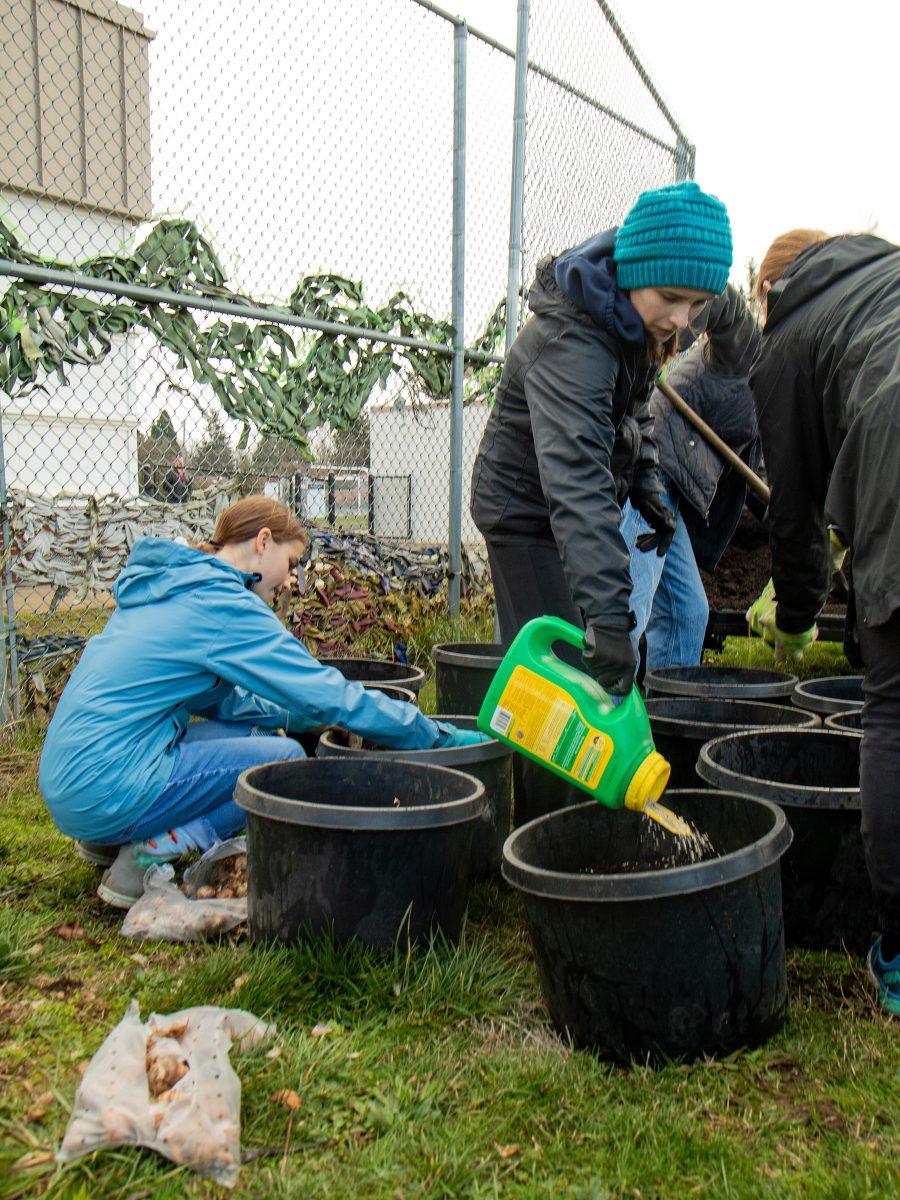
99, 854
122, 884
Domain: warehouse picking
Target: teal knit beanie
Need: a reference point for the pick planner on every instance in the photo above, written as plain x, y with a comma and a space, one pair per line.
676, 236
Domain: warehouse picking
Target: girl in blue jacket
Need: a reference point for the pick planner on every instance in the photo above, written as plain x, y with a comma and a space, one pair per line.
193, 635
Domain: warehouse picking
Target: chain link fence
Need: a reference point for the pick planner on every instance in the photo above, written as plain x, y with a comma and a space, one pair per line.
265, 246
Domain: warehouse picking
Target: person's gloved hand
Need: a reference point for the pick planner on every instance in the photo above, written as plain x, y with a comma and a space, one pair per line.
609, 658
788, 647
451, 738
650, 502
761, 610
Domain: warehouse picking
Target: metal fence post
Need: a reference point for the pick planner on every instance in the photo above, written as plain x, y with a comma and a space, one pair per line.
9, 660
516, 204
460, 33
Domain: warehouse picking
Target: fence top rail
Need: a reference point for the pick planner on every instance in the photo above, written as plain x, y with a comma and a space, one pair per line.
446, 15
257, 312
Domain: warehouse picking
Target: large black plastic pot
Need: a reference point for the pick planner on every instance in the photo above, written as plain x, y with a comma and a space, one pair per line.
682, 724
463, 672
490, 763
845, 722
832, 694
366, 848
394, 692
379, 670
658, 962
814, 775
727, 683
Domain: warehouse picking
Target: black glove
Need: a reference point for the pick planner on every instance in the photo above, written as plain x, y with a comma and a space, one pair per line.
651, 504
609, 658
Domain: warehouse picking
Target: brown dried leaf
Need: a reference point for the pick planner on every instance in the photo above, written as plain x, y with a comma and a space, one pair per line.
321, 1030
509, 1151
288, 1097
70, 933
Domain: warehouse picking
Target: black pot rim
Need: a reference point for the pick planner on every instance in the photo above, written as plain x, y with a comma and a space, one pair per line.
807, 695
682, 725
468, 807
798, 795
648, 885
414, 674
452, 756
667, 684
831, 721
452, 654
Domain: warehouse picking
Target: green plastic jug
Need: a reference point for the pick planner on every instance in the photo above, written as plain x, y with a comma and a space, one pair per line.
561, 718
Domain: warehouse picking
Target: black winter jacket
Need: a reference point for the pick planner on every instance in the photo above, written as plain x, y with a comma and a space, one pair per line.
569, 433
712, 378
827, 391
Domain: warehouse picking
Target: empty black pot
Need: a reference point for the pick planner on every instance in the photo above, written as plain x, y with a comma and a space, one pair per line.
367, 848
832, 694
845, 722
379, 670
656, 962
814, 775
729, 683
682, 724
463, 672
490, 763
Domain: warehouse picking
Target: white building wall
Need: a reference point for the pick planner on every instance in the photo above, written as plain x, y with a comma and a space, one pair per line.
416, 442
80, 436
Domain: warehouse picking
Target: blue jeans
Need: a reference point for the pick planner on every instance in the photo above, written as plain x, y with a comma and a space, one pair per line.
667, 595
211, 756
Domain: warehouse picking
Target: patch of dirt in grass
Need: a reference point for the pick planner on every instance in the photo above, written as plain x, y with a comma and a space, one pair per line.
528, 1029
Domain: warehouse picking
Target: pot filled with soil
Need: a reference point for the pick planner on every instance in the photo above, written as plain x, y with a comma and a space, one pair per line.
650, 946
832, 694
814, 775
490, 763
378, 670
682, 724
362, 847
724, 683
462, 674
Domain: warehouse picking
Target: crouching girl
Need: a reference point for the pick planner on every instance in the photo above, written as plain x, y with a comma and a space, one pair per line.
193, 635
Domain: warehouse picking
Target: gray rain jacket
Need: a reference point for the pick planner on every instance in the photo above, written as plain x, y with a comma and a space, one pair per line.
827, 391
570, 432
712, 378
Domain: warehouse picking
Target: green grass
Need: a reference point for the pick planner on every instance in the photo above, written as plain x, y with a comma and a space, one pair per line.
443, 1077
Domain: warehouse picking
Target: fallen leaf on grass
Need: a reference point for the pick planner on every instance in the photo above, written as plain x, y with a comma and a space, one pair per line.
83, 1066
288, 1097
275, 1052
41, 1107
356, 1054
239, 982
509, 1151
34, 1158
321, 1030
69, 933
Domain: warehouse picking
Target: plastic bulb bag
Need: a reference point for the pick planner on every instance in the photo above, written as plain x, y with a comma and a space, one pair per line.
165, 914
222, 870
167, 1084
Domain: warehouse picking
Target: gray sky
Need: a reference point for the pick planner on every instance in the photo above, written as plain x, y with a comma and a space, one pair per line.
792, 104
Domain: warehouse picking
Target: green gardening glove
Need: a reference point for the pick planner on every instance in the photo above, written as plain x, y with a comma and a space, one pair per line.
761, 610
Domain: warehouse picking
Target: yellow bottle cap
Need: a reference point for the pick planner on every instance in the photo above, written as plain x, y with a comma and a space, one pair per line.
648, 782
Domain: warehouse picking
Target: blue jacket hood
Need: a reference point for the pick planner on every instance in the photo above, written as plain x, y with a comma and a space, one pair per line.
158, 570
586, 274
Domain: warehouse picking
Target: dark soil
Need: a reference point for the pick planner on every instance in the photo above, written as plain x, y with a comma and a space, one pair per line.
745, 567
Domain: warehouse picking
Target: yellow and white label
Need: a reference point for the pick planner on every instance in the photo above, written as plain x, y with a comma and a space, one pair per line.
539, 716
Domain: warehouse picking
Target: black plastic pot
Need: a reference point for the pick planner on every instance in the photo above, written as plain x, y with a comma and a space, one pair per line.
379, 670
329, 849
845, 722
660, 962
394, 692
832, 694
728, 683
682, 724
490, 763
814, 775
463, 672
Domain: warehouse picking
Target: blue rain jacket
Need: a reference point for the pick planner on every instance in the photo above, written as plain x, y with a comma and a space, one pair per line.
188, 638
